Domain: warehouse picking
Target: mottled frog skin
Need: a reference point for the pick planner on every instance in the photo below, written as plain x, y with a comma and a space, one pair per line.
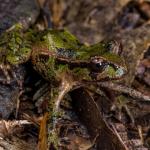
60, 58
53, 50
60, 47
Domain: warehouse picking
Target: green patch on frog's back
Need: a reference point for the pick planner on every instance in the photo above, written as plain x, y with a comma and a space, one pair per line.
14, 46
60, 43
60, 39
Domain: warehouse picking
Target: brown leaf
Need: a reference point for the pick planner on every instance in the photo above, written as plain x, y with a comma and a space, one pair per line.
89, 113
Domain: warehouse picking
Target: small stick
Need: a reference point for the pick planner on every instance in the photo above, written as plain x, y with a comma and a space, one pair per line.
124, 89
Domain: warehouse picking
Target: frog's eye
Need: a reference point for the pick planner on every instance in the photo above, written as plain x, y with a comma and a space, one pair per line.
98, 64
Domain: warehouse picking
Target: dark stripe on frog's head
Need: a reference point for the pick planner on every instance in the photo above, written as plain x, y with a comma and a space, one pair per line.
108, 66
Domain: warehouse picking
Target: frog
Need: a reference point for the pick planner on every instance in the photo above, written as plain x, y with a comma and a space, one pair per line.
61, 59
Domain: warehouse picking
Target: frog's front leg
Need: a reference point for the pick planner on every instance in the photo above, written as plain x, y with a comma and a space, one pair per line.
57, 94
69, 79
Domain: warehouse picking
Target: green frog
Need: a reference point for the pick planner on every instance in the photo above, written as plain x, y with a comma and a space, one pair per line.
62, 60
52, 49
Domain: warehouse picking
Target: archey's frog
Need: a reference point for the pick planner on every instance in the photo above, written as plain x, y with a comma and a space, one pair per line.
60, 58
53, 49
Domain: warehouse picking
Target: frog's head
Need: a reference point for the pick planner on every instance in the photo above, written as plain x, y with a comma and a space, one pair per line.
108, 66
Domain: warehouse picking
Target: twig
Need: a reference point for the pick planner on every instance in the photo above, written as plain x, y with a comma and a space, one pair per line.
124, 89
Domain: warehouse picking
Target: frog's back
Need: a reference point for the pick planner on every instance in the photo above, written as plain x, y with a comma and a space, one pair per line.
52, 46
60, 43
